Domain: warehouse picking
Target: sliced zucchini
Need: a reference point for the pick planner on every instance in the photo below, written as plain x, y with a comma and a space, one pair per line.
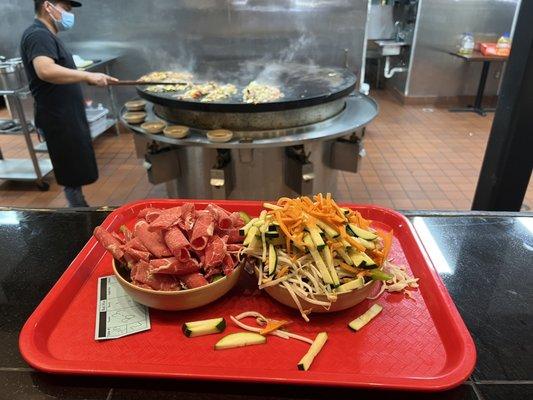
361, 260
328, 230
366, 243
276, 241
365, 318
272, 259
362, 233
271, 234
378, 275
318, 260
341, 252
308, 242
356, 256
252, 232
245, 217
314, 232
256, 243
205, 327
351, 285
367, 263
315, 348
244, 230
346, 244
240, 339
328, 258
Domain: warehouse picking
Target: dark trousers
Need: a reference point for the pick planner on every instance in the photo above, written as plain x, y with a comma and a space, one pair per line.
75, 197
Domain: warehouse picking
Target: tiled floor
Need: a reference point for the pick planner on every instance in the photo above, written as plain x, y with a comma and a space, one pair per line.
417, 158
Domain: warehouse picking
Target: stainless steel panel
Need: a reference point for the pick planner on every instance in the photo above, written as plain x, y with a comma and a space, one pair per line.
163, 166
345, 154
257, 178
380, 22
167, 34
440, 24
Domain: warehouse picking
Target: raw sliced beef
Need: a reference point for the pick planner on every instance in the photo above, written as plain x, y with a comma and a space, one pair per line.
220, 216
141, 273
150, 214
188, 216
137, 244
109, 242
128, 235
215, 251
228, 264
153, 241
202, 230
118, 237
233, 235
173, 266
236, 220
194, 280
166, 219
233, 247
136, 254
177, 243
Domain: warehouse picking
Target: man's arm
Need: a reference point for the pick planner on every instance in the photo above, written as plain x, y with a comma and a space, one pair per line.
48, 71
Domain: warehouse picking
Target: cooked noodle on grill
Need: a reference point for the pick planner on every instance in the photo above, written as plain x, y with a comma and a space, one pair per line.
260, 93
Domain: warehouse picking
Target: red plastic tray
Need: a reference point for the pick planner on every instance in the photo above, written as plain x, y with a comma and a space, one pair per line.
418, 344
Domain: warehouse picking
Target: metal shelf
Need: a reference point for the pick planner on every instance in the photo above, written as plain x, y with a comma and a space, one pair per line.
359, 111
110, 122
20, 169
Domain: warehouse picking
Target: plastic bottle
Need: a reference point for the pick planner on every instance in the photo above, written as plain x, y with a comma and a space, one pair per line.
467, 44
503, 46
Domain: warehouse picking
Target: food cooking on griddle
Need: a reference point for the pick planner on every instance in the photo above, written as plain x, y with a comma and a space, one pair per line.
167, 76
209, 92
220, 92
177, 248
257, 92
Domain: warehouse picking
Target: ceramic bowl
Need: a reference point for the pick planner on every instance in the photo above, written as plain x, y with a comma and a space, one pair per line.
344, 300
153, 127
220, 135
135, 105
134, 117
176, 131
176, 300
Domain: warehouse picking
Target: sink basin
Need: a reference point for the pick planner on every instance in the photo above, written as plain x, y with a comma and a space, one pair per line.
390, 47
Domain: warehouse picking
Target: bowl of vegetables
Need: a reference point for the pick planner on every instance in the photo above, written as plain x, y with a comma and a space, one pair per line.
314, 256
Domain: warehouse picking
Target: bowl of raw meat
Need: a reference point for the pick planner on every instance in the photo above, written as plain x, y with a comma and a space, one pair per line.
176, 258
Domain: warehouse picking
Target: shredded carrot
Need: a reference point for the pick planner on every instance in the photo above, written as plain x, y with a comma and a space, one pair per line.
272, 325
282, 272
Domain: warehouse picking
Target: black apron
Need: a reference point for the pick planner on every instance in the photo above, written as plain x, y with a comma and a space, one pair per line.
60, 116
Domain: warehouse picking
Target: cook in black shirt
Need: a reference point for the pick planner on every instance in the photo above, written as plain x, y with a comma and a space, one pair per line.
59, 107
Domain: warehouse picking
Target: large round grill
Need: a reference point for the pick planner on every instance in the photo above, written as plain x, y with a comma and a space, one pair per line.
311, 94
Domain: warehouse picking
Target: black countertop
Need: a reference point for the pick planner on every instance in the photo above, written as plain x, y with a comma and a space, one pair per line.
485, 260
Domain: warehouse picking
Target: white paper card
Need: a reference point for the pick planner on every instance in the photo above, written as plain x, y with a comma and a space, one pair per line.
117, 315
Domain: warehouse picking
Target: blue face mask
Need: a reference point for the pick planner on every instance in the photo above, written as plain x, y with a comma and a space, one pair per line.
66, 22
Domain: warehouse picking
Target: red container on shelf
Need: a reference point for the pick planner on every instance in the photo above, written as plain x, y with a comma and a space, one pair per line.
488, 49
415, 344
